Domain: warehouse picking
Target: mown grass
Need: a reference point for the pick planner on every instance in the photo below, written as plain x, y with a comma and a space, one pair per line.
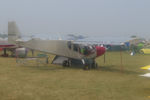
54, 82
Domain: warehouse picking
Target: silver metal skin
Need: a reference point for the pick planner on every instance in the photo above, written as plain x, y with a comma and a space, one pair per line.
57, 47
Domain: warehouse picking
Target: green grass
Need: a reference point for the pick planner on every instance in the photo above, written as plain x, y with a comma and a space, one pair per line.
54, 82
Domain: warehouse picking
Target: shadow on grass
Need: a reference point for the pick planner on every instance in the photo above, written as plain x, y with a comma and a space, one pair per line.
52, 67
110, 68
113, 69
45, 67
147, 91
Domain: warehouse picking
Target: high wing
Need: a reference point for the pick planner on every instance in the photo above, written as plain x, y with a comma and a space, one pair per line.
56, 47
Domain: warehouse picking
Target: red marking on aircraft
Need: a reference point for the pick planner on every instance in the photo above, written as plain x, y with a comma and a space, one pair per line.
100, 50
6, 46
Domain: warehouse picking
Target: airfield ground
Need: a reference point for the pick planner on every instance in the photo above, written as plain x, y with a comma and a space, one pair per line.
57, 83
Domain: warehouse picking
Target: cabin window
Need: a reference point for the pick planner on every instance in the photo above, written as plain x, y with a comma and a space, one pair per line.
75, 47
69, 44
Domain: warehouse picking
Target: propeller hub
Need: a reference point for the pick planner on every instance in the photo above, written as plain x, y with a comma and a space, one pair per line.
100, 50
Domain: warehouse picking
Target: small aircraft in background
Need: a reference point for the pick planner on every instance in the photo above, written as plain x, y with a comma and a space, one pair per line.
67, 52
146, 68
4, 45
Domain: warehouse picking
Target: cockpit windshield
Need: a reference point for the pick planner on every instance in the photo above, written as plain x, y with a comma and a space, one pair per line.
86, 50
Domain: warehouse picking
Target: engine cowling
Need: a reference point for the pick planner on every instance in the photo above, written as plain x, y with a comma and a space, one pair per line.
100, 50
21, 52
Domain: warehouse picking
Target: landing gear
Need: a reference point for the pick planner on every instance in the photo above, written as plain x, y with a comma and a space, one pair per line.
90, 64
5, 53
66, 63
94, 65
85, 63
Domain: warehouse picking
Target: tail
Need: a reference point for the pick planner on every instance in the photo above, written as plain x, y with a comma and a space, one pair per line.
13, 32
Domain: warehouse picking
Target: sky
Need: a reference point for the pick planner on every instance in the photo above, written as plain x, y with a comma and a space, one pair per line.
87, 17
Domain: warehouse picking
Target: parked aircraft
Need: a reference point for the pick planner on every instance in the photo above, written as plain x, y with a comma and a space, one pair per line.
67, 52
146, 68
5, 45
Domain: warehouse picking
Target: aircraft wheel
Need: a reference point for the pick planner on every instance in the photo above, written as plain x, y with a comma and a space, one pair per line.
65, 63
96, 65
85, 67
90, 66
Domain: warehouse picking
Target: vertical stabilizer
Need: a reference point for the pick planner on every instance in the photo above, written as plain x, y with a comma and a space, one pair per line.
13, 32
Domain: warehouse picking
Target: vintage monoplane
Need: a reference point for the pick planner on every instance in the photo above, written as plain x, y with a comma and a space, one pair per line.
67, 52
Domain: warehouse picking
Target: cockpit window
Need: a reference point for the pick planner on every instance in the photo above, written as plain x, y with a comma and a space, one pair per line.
69, 44
75, 47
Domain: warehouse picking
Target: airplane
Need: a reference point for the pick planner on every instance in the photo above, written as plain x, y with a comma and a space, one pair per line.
5, 46
146, 68
67, 52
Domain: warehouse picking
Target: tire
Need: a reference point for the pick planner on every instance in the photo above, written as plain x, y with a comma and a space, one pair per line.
85, 67
64, 64
96, 65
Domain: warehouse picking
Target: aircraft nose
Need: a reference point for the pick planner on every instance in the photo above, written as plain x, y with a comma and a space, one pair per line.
100, 50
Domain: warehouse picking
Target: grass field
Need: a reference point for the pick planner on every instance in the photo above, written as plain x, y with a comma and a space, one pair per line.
53, 82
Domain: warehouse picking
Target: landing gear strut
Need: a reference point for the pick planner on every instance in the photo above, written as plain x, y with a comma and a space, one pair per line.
90, 64
66, 63
5, 53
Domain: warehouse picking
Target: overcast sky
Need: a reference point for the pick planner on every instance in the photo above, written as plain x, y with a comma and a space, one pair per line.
98, 17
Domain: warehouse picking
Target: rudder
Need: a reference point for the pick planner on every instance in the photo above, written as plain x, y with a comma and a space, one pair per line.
13, 32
